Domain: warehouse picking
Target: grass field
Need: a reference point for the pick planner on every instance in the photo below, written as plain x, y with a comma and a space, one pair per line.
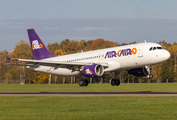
91, 87
88, 108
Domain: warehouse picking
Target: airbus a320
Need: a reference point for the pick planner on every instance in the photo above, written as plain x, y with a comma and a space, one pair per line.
135, 58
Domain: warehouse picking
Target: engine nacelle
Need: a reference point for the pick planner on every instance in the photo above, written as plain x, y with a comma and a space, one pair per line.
93, 70
140, 72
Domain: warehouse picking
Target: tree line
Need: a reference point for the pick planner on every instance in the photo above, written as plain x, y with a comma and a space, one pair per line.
163, 72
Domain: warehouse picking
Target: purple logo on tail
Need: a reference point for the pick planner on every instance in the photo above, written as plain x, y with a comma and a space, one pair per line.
36, 45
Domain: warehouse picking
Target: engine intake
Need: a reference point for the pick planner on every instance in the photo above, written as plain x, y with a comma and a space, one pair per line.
93, 70
140, 72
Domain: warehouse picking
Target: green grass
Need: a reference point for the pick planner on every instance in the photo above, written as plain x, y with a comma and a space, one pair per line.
88, 108
91, 87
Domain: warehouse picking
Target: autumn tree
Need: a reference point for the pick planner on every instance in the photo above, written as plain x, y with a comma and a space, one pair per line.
59, 52
53, 47
167, 71
164, 43
83, 45
21, 50
29, 75
63, 43
3, 59
72, 47
173, 51
132, 42
40, 78
156, 72
100, 44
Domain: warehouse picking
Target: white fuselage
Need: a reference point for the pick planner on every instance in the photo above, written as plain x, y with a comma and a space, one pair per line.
117, 58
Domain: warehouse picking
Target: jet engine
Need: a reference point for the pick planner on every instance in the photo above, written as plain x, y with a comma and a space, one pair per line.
140, 72
93, 70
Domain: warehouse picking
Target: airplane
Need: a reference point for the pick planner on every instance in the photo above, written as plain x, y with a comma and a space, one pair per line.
135, 58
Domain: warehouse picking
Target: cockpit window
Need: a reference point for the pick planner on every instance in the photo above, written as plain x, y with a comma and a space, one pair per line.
155, 48
159, 47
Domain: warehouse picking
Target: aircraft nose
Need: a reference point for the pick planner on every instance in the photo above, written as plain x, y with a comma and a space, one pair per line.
166, 55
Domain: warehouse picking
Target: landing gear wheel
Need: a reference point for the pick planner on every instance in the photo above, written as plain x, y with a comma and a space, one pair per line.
85, 82
150, 76
117, 82
113, 82
81, 82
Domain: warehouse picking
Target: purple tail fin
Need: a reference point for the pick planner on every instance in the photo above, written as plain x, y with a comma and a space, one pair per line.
37, 46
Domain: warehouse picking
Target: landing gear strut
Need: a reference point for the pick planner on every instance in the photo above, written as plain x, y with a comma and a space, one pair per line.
83, 82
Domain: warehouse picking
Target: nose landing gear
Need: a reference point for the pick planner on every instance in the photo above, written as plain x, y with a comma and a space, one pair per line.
150, 76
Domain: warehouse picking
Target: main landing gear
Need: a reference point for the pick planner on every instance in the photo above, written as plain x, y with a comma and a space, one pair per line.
83, 82
115, 82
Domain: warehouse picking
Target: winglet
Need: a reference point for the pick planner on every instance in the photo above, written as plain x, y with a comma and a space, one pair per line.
8, 59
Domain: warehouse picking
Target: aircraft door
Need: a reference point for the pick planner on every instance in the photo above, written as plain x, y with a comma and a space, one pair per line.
140, 51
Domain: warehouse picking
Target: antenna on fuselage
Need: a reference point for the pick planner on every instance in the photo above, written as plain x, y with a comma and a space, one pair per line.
144, 41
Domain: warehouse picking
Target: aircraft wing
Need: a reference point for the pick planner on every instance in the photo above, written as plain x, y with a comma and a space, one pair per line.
55, 64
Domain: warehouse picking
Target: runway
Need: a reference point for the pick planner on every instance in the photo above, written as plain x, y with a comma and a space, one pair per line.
88, 93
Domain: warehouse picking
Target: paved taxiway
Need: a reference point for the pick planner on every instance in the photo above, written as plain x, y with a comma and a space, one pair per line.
88, 93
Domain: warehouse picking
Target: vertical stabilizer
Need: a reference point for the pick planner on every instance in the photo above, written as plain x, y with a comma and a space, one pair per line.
37, 46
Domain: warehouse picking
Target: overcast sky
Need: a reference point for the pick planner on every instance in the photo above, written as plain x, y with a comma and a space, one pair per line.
121, 21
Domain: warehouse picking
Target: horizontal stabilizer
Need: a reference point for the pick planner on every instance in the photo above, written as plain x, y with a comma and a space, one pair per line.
8, 59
